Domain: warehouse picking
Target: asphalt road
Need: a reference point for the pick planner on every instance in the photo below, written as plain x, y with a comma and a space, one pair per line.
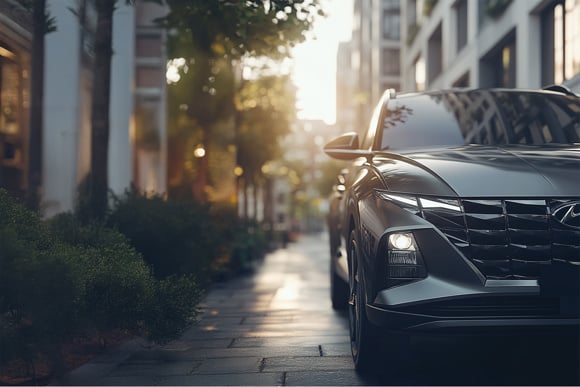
276, 327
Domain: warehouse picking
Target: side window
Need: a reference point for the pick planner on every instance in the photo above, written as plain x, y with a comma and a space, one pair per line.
368, 141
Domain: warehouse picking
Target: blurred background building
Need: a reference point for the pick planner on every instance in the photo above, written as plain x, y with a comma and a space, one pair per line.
15, 46
414, 45
490, 43
137, 150
375, 61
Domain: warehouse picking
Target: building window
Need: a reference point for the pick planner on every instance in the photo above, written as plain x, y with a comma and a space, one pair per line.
560, 41
462, 30
149, 46
419, 73
12, 102
498, 67
149, 77
434, 55
9, 92
391, 20
391, 61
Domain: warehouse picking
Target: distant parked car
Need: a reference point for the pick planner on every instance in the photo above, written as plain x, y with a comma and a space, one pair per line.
460, 212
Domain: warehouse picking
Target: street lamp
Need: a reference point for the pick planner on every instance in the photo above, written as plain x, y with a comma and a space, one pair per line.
199, 151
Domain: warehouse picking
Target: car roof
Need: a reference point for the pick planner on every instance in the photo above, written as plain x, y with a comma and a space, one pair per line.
554, 89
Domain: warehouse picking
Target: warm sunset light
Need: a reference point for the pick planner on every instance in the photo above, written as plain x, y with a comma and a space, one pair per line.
315, 62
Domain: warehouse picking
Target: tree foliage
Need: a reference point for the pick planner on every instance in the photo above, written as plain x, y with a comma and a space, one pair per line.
266, 110
214, 38
237, 28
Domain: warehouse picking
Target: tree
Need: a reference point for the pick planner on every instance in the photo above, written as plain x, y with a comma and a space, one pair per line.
101, 94
266, 109
237, 28
223, 31
100, 103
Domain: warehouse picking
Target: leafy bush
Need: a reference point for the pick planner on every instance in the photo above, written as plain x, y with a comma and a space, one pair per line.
250, 244
174, 238
115, 284
119, 291
173, 308
37, 290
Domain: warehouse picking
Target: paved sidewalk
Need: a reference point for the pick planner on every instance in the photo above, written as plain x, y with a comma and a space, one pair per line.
275, 327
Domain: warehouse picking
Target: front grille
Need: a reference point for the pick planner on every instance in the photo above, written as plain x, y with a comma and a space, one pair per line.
508, 238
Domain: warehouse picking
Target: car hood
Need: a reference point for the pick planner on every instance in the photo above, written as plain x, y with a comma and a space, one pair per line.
481, 171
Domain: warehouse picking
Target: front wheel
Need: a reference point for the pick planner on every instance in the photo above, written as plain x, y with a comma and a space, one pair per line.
372, 350
364, 337
338, 288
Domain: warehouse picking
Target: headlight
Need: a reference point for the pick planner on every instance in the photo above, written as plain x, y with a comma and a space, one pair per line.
401, 241
404, 260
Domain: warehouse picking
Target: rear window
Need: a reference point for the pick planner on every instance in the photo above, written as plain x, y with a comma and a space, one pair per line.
484, 117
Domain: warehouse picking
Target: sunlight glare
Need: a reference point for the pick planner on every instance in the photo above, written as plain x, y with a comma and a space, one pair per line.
315, 62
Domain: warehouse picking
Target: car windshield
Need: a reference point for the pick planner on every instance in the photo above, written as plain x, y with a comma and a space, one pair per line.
480, 117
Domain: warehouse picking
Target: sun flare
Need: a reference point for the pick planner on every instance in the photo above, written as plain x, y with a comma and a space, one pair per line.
315, 62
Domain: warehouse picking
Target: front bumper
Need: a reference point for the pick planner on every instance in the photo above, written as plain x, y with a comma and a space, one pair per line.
433, 305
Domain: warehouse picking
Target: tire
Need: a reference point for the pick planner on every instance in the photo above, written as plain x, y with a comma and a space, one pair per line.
365, 338
373, 351
338, 288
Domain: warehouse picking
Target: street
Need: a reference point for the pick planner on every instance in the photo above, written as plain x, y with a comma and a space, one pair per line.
276, 327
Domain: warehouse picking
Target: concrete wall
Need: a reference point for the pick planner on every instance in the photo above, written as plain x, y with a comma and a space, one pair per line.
62, 108
122, 91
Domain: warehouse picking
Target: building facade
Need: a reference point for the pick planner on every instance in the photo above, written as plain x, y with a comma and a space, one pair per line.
375, 56
137, 143
485, 43
346, 102
15, 47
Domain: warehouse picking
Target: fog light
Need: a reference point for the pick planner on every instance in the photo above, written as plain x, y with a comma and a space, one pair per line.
404, 260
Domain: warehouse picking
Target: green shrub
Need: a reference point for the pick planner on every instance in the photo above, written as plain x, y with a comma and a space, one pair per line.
250, 244
115, 284
118, 290
174, 308
174, 238
37, 290
60, 278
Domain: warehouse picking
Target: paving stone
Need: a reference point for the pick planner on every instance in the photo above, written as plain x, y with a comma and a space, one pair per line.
230, 365
283, 342
327, 378
244, 379
287, 364
262, 352
193, 338
336, 349
153, 368
133, 380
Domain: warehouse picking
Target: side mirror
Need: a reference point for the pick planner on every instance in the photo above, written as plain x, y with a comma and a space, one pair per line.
346, 141
345, 147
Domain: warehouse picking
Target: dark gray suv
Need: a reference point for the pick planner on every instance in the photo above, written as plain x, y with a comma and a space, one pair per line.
460, 211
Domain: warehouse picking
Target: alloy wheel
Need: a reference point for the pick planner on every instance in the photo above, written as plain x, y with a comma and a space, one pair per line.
354, 301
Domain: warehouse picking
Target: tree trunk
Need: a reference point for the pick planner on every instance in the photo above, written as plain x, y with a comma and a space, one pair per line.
101, 94
36, 105
256, 194
245, 208
202, 181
